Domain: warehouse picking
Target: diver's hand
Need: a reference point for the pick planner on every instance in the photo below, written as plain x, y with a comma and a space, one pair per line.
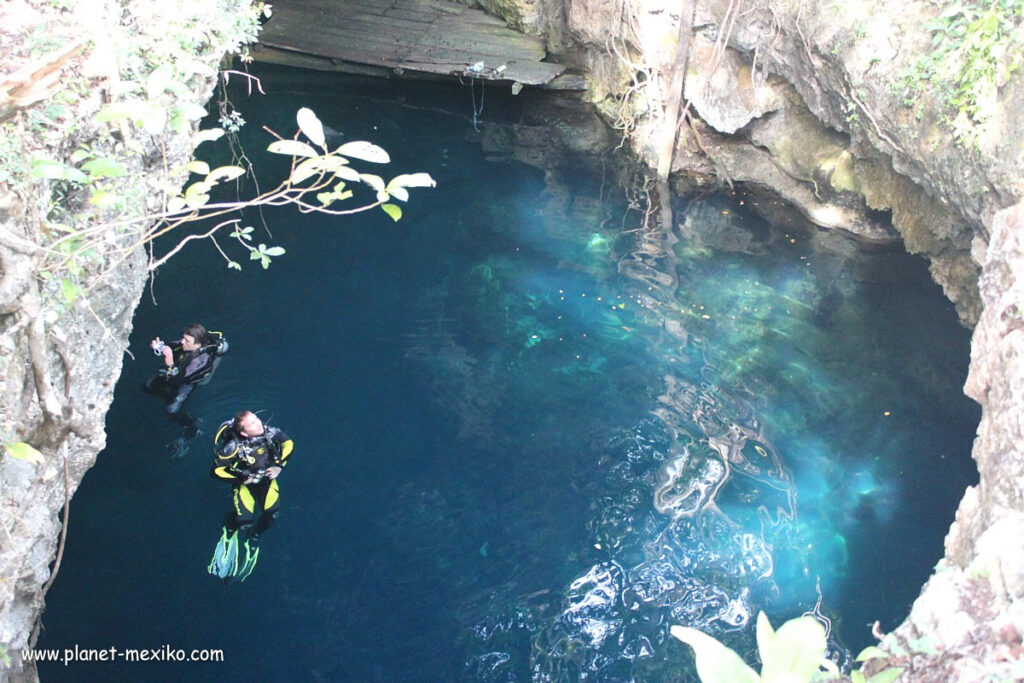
167, 352
272, 472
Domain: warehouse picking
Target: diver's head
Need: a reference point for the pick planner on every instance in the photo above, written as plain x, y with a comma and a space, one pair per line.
193, 337
247, 424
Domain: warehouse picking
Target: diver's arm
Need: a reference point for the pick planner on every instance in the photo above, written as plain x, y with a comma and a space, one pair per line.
225, 473
283, 450
225, 464
281, 453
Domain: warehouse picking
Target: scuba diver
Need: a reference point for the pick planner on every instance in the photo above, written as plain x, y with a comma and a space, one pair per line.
250, 455
188, 363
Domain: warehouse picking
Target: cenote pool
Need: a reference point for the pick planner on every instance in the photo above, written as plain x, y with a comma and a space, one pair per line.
531, 431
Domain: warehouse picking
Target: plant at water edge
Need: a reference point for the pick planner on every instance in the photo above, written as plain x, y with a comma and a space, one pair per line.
793, 654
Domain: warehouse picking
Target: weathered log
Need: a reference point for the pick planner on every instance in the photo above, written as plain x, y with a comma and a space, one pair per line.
35, 81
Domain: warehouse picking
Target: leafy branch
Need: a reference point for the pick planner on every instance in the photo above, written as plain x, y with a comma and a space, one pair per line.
318, 181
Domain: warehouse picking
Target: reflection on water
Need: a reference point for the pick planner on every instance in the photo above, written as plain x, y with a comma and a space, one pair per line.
533, 430
743, 488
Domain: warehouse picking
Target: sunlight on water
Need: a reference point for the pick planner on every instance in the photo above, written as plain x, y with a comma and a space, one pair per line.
533, 431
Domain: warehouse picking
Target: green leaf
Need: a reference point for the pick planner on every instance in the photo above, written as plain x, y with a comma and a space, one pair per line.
310, 125
175, 204
79, 155
154, 119
326, 198
392, 210
367, 151
22, 451
104, 167
104, 199
857, 677
274, 251
311, 167
715, 662
198, 167
70, 290
794, 652
887, 675
923, 645
374, 181
399, 193
412, 180
292, 148
208, 135
190, 110
178, 123
158, 81
46, 169
127, 109
871, 652
234, 264
196, 194
222, 173
347, 173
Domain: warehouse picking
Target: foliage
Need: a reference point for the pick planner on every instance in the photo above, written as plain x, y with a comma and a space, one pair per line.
316, 171
23, 451
793, 654
976, 48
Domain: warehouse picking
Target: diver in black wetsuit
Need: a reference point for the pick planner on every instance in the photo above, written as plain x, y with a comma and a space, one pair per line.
250, 455
188, 363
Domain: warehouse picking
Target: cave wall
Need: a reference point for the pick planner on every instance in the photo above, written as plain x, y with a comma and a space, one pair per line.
65, 327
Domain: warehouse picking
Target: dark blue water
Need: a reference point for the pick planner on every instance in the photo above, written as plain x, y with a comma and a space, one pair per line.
532, 430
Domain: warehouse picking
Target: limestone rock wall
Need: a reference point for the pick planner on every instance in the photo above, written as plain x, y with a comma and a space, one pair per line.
64, 330
803, 100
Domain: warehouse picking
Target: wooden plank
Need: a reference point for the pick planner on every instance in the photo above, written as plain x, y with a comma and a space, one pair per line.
412, 15
319, 38
432, 36
331, 44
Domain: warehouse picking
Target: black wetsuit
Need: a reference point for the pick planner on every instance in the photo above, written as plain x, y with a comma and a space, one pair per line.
237, 459
174, 384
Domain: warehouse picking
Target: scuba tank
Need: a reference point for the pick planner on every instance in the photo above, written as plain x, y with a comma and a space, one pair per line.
216, 346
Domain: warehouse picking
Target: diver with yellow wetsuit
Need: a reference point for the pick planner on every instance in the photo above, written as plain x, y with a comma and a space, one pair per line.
250, 455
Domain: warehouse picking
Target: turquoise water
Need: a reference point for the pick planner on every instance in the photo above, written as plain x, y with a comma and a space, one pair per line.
531, 433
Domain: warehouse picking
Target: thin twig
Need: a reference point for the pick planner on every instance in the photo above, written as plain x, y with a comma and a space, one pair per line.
162, 260
250, 77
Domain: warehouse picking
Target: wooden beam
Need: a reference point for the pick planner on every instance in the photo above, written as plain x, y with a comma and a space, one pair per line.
432, 36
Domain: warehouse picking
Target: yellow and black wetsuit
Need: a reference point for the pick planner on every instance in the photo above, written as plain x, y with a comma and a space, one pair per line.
237, 459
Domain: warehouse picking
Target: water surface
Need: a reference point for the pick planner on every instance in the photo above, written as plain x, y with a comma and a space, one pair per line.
532, 430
